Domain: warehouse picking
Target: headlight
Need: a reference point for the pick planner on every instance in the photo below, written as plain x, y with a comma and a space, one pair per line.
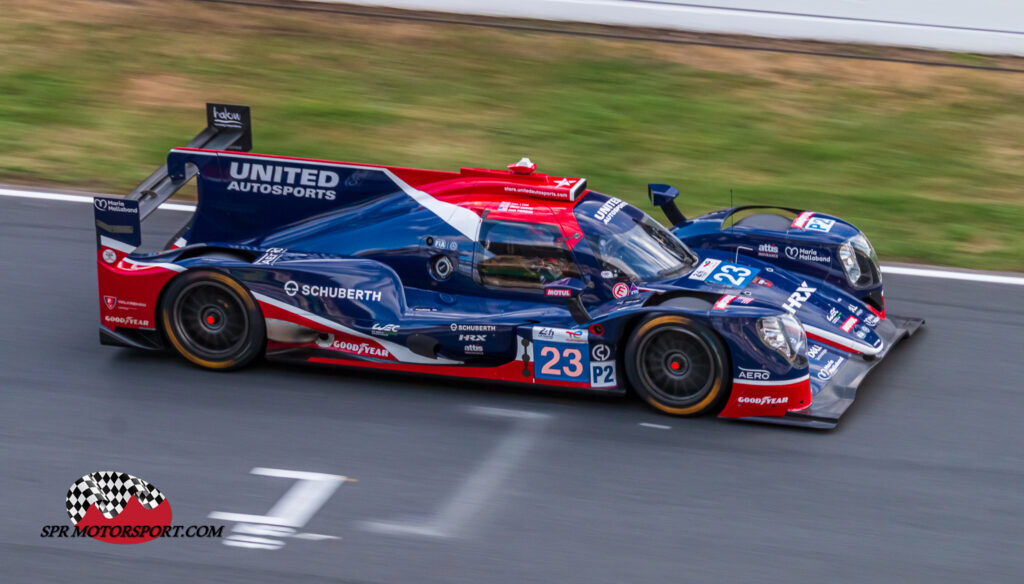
860, 262
849, 261
785, 334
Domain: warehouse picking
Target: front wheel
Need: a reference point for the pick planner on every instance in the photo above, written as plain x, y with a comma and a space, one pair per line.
212, 320
677, 365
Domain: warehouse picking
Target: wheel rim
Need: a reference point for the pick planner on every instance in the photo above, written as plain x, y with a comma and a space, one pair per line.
676, 366
210, 320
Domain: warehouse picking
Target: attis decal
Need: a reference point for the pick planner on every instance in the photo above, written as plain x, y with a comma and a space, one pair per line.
768, 250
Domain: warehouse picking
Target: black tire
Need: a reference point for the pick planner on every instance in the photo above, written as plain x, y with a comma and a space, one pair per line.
212, 320
678, 365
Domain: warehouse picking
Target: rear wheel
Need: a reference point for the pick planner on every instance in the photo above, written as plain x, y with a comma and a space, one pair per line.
677, 365
212, 320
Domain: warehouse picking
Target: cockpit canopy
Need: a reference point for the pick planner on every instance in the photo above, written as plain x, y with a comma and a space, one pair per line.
628, 242
618, 243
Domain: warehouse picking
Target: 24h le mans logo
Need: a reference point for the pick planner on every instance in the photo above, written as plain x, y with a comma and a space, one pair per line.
117, 507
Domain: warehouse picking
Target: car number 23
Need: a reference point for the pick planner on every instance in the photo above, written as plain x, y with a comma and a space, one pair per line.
561, 362
732, 275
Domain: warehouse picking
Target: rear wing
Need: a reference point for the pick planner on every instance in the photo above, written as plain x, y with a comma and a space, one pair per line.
118, 220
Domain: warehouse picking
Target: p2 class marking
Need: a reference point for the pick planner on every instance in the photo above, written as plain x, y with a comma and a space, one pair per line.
292, 511
453, 518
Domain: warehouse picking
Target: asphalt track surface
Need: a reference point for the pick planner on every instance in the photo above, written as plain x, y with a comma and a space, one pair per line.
921, 482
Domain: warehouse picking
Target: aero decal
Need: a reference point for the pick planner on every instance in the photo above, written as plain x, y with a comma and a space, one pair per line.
463, 220
770, 383
398, 351
767, 398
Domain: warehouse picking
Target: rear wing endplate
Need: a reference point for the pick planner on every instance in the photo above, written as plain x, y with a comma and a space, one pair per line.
118, 220
228, 127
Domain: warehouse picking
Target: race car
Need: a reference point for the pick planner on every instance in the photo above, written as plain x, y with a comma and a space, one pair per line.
507, 275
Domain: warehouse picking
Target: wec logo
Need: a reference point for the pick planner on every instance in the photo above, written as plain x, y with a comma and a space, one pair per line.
384, 330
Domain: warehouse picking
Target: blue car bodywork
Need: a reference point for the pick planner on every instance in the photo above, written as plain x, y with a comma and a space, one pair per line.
423, 272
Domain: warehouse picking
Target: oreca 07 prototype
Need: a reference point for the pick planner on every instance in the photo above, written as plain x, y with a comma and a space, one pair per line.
506, 275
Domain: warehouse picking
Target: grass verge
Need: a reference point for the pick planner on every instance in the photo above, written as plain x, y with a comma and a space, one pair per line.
928, 161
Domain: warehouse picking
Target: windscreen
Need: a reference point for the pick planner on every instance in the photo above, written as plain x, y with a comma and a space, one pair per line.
628, 242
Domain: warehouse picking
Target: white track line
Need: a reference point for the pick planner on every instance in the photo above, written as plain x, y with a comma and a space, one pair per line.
47, 196
953, 275
472, 496
898, 270
655, 426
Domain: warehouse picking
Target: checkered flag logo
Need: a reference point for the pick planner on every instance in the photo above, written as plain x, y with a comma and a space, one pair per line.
110, 491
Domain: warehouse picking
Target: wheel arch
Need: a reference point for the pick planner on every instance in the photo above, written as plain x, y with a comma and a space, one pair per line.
718, 398
696, 312
203, 252
219, 270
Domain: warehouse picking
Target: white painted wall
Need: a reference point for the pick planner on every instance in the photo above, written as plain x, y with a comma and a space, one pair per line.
977, 26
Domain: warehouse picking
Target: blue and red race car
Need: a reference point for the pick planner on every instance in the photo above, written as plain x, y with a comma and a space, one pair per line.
504, 275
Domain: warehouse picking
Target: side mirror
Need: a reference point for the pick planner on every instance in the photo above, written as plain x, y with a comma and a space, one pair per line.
664, 197
569, 289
